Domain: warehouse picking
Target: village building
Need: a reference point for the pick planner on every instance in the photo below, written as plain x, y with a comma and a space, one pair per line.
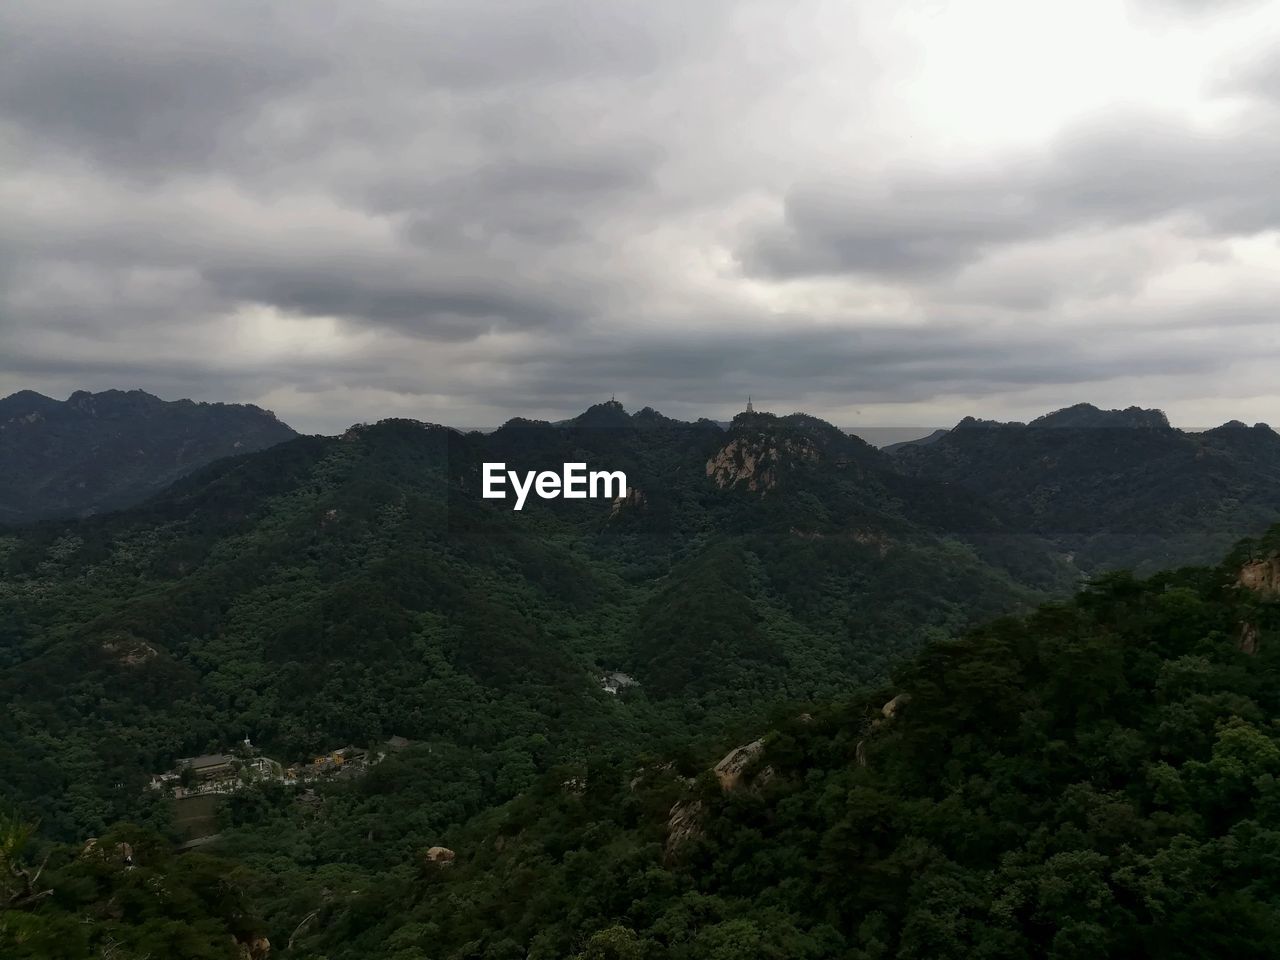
224, 773
210, 767
614, 681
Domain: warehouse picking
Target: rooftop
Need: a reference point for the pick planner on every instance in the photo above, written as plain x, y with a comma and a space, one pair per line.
208, 760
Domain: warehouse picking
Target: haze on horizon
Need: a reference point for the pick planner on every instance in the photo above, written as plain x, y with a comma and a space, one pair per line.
884, 213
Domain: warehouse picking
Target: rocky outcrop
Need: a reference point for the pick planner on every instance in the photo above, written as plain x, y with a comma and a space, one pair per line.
635, 499
648, 773
259, 948
683, 824
891, 708
757, 461
729, 771
129, 651
1248, 642
887, 712
121, 853
440, 856
1261, 576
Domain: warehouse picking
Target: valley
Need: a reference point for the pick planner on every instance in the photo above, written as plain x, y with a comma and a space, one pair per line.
353, 589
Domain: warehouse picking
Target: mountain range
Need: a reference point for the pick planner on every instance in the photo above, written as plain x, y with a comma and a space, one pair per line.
328, 590
1114, 487
102, 451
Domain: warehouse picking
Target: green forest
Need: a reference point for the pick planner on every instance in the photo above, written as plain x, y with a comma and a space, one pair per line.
966, 739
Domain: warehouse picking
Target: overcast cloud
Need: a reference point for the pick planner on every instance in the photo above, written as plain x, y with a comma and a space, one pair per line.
885, 212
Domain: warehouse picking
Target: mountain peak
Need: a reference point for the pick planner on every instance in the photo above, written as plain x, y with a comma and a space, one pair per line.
1085, 416
27, 396
650, 419
98, 451
975, 423
26, 403
611, 413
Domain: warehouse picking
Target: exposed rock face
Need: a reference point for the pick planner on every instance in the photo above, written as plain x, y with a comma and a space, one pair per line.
729, 770
1248, 638
891, 708
121, 853
756, 461
634, 500
258, 948
667, 769
887, 713
1261, 576
129, 651
683, 823
440, 856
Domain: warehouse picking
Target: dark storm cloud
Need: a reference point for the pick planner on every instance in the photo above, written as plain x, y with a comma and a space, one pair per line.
138, 87
161, 86
394, 114
851, 366
535, 203
449, 309
1117, 171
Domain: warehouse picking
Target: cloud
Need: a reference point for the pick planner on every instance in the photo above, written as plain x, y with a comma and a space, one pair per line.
1113, 172
464, 211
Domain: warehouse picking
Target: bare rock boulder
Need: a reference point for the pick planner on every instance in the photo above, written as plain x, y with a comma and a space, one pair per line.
683, 824
891, 708
729, 771
440, 856
1261, 576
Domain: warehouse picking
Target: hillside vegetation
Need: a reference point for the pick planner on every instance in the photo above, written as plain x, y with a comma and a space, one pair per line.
1098, 779
103, 451
1082, 782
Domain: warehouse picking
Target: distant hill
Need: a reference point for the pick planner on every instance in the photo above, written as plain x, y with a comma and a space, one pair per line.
888, 437
102, 451
343, 590
918, 441
350, 588
1114, 487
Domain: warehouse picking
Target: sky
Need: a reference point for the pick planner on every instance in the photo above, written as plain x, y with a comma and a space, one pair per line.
884, 212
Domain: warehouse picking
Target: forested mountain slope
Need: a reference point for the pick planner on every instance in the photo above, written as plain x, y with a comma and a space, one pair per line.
333, 590
102, 451
1114, 488
1098, 779
1079, 783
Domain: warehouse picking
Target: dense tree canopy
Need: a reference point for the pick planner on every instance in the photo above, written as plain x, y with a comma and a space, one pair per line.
1094, 779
